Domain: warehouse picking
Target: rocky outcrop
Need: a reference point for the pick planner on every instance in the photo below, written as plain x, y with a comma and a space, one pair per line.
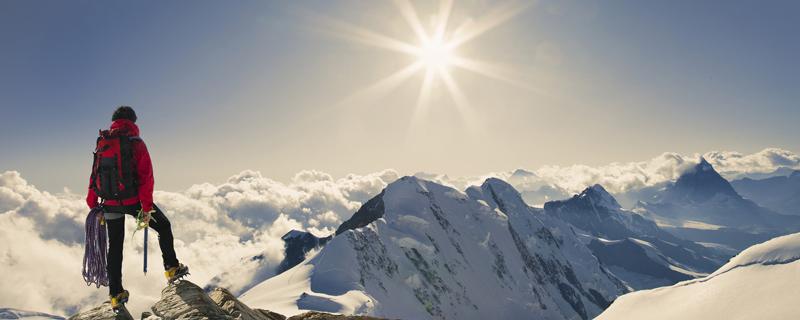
102, 312
296, 244
225, 300
370, 211
187, 301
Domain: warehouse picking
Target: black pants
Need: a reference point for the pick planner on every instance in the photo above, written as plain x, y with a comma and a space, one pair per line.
116, 237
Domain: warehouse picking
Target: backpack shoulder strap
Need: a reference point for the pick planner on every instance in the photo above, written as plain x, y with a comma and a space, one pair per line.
127, 163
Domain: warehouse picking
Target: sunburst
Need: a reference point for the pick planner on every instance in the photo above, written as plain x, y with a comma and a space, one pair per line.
435, 48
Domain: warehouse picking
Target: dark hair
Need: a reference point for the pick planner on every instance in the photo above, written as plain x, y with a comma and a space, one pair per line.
124, 112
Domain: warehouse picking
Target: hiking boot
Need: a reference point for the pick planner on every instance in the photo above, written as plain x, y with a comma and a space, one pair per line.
119, 300
176, 273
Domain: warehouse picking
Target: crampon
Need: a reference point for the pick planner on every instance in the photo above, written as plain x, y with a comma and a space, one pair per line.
175, 274
119, 300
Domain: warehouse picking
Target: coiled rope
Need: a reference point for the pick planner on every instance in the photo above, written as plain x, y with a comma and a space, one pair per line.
94, 256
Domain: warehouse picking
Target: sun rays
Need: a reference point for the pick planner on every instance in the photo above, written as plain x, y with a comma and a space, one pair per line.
434, 48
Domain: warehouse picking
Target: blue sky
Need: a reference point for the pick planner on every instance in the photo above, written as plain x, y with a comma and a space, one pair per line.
225, 86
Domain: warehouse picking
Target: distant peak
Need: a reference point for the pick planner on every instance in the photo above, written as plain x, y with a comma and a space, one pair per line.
496, 182
599, 196
598, 188
795, 174
499, 194
522, 173
408, 179
704, 165
294, 233
408, 183
701, 183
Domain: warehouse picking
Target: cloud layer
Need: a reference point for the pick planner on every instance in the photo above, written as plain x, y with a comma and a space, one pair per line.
626, 179
219, 229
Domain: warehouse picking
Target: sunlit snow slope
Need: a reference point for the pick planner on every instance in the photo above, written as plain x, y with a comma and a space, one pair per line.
762, 282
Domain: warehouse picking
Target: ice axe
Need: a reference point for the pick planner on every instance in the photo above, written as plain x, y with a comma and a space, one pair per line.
140, 224
144, 267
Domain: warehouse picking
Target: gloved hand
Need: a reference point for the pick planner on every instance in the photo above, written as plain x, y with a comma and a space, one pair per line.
144, 218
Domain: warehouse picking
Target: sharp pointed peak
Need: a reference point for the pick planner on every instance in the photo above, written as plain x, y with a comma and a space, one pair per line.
600, 196
595, 190
598, 188
704, 164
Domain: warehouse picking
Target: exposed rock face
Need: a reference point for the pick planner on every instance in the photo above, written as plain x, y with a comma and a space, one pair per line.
103, 312
225, 300
187, 301
371, 210
296, 245
700, 184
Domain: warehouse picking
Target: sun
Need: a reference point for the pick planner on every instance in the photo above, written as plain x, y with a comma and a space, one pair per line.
436, 54
434, 47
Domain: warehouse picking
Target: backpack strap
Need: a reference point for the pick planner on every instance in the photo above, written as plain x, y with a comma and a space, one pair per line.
93, 180
127, 165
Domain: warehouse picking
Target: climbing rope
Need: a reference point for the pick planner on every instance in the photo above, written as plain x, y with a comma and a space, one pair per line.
94, 255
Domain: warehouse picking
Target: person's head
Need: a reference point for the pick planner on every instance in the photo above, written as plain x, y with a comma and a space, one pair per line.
124, 112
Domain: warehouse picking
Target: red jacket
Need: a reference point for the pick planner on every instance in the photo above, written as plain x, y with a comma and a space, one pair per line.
144, 170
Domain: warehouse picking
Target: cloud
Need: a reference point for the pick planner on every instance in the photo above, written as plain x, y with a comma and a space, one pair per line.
620, 178
217, 228
735, 164
254, 200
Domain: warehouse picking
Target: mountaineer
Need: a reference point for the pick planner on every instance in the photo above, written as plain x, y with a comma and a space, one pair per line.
122, 177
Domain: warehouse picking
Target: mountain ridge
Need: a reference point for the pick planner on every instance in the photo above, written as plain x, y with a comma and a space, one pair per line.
438, 251
635, 248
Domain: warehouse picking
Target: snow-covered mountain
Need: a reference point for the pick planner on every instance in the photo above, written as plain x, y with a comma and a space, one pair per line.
255, 269
779, 193
533, 189
596, 211
633, 247
761, 282
421, 250
702, 206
